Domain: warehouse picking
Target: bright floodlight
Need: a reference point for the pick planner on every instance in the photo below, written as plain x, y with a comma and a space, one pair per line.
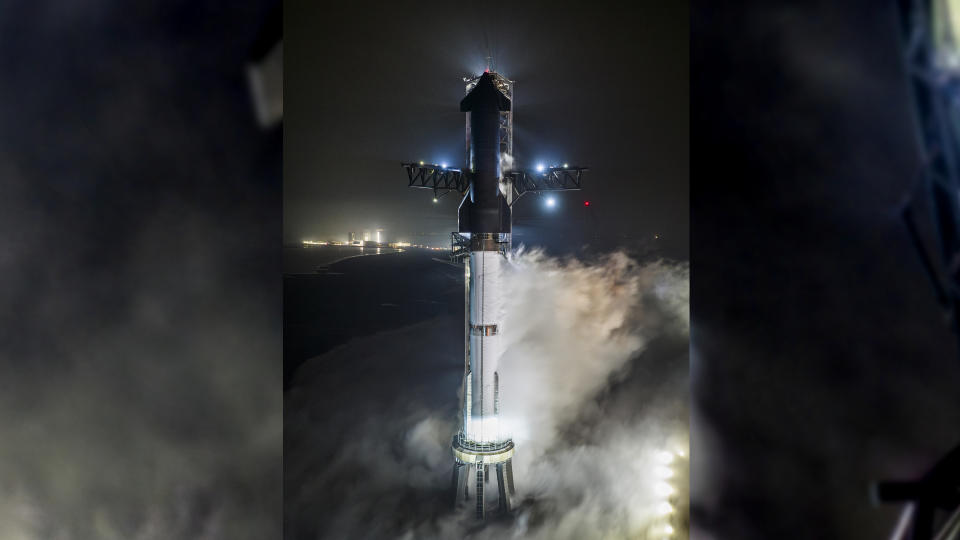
663, 489
434, 199
663, 472
421, 162
443, 165
539, 167
565, 165
946, 30
664, 458
551, 202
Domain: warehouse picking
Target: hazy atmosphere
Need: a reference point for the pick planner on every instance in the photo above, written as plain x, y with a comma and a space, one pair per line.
605, 88
140, 314
595, 385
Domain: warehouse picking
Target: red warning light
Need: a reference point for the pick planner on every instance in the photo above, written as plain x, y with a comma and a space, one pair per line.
586, 203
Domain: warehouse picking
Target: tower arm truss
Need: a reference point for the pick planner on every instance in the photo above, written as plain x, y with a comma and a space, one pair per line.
553, 179
459, 247
939, 179
436, 177
933, 91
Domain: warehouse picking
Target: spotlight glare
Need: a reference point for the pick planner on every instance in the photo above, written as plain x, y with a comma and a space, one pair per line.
551, 202
539, 167
434, 199
443, 165
565, 165
664, 458
663, 473
663, 489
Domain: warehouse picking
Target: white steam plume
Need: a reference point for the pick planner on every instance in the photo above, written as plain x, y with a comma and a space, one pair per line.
594, 382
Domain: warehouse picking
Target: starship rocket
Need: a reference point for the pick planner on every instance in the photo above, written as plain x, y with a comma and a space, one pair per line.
483, 445
484, 217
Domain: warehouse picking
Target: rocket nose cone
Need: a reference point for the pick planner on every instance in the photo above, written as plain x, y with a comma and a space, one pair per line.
485, 95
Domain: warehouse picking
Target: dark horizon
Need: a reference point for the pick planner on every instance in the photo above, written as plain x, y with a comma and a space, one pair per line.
584, 95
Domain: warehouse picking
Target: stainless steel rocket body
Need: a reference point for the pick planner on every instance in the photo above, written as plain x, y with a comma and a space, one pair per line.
483, 424
484, 216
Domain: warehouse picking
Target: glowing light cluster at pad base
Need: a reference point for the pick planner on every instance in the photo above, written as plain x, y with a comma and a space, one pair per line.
669, 503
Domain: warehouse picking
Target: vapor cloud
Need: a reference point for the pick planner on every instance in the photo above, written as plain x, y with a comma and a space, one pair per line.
594, 379
140, 331
149, 419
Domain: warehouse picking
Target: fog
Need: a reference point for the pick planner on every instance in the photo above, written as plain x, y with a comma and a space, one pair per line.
594, 384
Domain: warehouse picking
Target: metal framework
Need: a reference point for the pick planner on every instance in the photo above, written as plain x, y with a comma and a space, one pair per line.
937, 110
442, 180
933, 103
552, 179
436, 177
459, 247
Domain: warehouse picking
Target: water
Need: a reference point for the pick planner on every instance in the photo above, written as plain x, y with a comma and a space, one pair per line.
360, 295
306, 259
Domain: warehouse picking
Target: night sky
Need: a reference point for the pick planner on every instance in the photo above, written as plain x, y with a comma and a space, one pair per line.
820, 360
604, 87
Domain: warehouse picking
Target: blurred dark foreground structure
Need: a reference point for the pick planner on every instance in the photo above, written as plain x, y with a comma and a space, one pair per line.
820, 361
930, 50
140, 379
